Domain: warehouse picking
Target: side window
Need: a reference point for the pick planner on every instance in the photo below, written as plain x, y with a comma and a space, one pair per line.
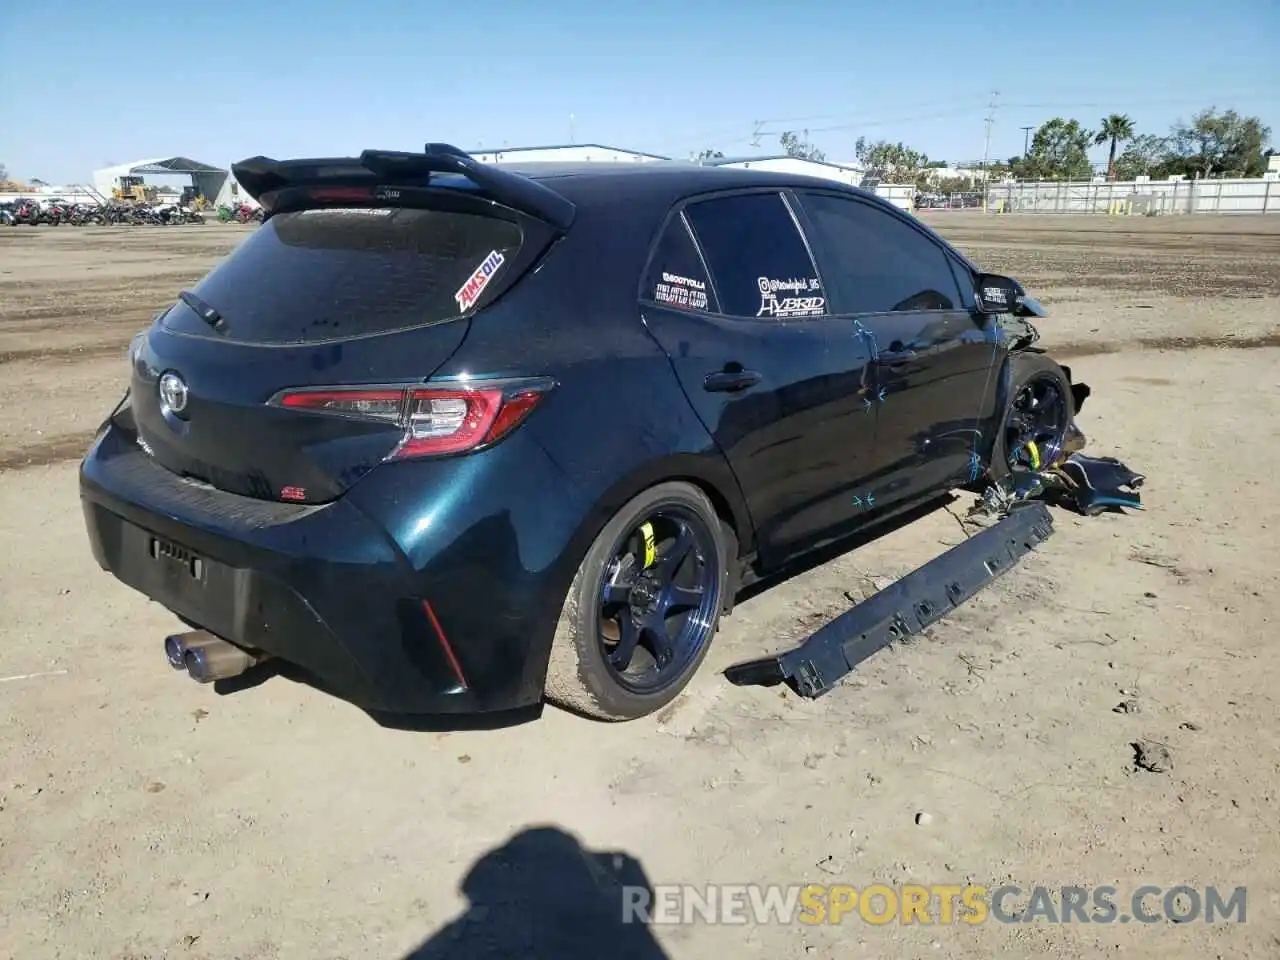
676, 276
875, 263
757, 257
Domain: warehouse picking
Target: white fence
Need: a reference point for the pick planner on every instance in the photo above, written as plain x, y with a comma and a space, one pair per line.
899, 194
43, 195
1133, 197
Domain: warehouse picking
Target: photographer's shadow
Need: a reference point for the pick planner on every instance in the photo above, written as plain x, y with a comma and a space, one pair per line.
541, 895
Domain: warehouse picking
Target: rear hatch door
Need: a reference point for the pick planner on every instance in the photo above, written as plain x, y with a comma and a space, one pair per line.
325, 296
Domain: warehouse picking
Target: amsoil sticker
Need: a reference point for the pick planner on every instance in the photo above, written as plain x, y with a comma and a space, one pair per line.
470, 291
800, 298
681, 292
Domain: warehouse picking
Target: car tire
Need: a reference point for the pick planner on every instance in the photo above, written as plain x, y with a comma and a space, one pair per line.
1023, 369
579, 678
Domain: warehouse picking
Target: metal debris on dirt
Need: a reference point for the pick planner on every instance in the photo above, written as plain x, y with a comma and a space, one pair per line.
1152, 756
1088, 485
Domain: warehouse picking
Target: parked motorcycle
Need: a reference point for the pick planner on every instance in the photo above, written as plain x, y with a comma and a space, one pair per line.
28, 212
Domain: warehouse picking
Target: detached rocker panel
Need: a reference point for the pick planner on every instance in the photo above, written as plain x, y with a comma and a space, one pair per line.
902, 609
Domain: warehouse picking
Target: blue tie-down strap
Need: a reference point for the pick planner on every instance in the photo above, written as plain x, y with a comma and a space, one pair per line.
1097, 484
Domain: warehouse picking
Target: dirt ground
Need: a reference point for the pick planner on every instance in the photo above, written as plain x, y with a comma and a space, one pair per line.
144, 816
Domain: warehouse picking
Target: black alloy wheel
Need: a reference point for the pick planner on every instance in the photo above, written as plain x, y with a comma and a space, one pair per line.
658, 598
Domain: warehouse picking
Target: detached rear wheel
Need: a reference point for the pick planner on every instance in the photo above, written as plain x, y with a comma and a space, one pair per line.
643, 608
1036, 419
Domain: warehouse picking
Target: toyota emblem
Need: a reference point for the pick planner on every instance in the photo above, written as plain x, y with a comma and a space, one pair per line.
173, 393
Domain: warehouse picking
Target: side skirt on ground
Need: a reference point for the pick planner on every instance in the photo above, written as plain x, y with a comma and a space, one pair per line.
903, 608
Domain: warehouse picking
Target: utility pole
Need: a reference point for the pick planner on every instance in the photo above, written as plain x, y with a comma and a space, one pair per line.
756, 132
571, 138
1026, 141
986, 146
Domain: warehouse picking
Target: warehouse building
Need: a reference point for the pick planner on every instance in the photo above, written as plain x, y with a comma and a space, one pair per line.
212, 183
899, 195
798, 166
565, 153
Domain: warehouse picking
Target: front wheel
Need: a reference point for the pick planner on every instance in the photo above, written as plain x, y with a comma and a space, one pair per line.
643, 608
1037, 417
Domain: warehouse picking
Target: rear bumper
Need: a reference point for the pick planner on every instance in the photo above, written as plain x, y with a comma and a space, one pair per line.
323, 587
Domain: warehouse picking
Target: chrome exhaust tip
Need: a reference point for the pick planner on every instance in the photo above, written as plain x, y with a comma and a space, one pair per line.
174, 652
207, 658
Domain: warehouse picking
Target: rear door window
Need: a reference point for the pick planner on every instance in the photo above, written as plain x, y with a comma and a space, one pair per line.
757, 257
874, 262
677, 277
335, 273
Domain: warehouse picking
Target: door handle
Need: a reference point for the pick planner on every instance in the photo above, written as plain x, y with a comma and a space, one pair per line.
730, 381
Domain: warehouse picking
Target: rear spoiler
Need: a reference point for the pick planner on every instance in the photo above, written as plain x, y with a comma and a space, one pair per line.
263, 175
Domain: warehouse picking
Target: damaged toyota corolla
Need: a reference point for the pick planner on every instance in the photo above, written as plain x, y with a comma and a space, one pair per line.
453, 437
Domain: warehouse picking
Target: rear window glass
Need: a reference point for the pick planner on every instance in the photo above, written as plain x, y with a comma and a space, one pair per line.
334, 273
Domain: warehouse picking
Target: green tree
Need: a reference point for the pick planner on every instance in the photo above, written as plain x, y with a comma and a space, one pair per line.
1145, 156
953, 185
997, 170
1221, 144
890, 162
1116, 128
1059, 151
794, 146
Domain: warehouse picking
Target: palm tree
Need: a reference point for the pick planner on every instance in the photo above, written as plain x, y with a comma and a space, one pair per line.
1115, 128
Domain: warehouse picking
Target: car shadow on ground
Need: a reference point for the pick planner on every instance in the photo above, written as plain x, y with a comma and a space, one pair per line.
540, 895
847, 544
275, 669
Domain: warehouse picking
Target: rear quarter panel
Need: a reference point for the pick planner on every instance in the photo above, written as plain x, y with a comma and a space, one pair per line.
617, 422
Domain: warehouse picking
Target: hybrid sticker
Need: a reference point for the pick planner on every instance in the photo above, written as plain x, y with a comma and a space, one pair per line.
681, 292
470, 291
800, 298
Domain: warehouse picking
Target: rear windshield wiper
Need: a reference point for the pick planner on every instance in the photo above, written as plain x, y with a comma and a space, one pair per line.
203, 310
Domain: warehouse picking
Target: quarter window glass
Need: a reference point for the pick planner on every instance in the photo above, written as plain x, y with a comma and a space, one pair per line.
757, 257
676, 275
875, 263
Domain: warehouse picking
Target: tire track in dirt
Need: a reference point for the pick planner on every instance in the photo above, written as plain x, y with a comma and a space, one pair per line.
80, 351
67, 446
1093, 348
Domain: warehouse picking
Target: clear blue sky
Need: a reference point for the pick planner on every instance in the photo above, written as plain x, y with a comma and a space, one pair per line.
219, 81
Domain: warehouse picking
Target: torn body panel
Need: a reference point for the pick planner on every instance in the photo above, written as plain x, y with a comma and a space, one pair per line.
902, 609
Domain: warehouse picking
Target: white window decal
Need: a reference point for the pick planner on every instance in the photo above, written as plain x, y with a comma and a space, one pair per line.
800, 298
681, 292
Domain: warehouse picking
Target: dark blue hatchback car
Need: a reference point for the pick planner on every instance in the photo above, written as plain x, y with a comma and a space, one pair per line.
454, 437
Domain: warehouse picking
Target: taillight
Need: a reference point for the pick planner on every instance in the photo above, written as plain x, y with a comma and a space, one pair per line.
435, 420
